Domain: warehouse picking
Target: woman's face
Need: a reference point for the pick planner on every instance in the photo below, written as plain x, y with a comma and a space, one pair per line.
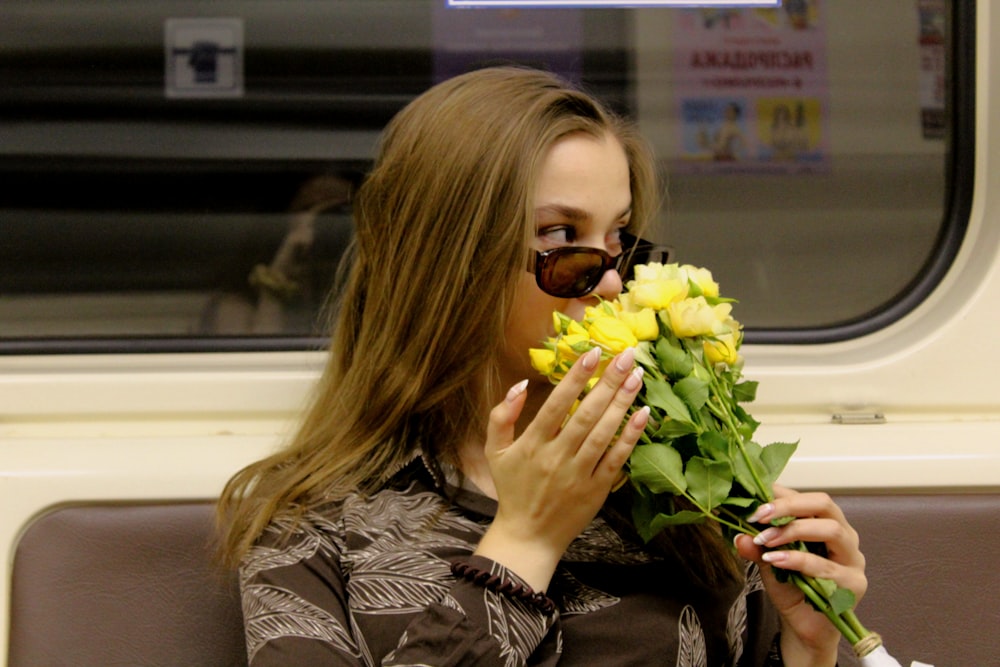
582, 198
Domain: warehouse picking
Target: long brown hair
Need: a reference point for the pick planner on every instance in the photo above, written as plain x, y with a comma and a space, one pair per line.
443, 223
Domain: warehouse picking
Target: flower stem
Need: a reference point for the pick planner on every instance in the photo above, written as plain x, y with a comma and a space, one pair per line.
727, 418
808, 587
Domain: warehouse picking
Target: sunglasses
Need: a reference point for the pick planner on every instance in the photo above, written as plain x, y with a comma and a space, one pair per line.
571, 272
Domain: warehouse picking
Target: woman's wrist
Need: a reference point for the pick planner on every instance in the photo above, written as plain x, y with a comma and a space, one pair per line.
796, 653
534, 563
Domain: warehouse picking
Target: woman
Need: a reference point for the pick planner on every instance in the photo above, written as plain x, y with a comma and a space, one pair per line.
437, 506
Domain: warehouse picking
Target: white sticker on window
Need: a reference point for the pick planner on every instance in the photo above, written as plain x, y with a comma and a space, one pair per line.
204, 57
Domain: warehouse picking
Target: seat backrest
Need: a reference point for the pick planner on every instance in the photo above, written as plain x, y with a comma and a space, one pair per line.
108, 585
932, 574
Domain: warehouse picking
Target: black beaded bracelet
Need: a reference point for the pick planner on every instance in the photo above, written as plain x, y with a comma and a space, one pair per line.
498, 584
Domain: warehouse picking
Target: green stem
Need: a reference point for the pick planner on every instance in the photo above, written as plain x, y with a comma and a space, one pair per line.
737, 525
727, 418
821, 603
855, 623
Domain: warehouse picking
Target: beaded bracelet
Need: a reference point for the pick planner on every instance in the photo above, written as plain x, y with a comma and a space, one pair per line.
498, 584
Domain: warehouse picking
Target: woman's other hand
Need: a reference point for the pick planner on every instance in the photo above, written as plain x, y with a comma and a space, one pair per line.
553, 479
807, 638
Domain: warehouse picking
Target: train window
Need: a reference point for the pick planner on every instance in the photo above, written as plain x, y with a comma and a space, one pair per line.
178, 175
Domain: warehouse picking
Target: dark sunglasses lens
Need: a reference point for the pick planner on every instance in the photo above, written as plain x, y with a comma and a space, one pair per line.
572, 272
642, 252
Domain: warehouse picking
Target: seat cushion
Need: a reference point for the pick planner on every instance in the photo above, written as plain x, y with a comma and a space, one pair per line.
105, 585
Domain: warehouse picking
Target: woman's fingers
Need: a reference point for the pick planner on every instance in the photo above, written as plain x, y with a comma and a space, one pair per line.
500, 428
818, 519
599, 416
550, 420
614, 458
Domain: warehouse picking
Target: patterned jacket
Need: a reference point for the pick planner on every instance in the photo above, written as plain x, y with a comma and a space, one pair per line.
367, 581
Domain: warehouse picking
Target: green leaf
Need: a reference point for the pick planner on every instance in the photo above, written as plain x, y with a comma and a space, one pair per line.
708, 482
643, 354
658, 467
643, 510
841, 600
674, 360
741, 468
740, 501
774, 457
660, 395
693, 391
747, 424
661, 521
671, 428
745, 392
827, 587
714, 445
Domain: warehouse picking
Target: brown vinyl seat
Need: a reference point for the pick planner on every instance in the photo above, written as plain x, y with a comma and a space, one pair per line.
134, 584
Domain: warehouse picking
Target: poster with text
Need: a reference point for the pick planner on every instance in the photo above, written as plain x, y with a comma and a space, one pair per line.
549, 39
752, 89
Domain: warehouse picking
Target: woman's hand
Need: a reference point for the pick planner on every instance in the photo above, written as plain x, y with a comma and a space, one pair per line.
807, 637
552, 480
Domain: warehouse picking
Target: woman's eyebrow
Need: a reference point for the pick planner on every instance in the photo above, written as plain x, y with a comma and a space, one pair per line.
573, 213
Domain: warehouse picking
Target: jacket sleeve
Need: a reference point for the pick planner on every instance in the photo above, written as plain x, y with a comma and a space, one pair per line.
297, 611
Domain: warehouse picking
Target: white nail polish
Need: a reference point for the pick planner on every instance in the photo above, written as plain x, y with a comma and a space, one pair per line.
516, 390
761, 512
765, 536
634, 380
625, 359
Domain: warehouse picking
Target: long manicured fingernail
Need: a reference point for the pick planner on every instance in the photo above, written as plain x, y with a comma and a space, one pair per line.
761, 513
640, 417
765, 536
590, 359
775, 557
516, 390
634, 379
624, 361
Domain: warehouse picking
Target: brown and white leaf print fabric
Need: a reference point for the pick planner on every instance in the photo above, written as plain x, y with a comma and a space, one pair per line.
367, 581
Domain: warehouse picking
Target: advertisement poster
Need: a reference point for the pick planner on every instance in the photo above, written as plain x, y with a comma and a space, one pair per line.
549, 39
932, 67
752, 89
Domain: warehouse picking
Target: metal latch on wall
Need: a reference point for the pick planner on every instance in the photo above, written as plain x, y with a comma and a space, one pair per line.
856, 418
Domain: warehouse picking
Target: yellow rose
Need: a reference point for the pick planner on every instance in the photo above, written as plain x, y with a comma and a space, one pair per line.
721, 349
656, 294
654, 271
642, 323
612, 334
543, 361
694, 317
702, 278
626, 303
570, 346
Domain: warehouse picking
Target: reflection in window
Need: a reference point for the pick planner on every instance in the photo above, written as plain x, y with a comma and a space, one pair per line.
806, 153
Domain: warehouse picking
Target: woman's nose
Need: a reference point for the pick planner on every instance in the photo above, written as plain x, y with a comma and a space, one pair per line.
610, 286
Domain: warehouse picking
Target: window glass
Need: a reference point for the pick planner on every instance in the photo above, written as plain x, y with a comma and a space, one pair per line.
179, 174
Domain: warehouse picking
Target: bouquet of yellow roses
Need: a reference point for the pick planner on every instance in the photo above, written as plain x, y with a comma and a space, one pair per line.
698, 444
